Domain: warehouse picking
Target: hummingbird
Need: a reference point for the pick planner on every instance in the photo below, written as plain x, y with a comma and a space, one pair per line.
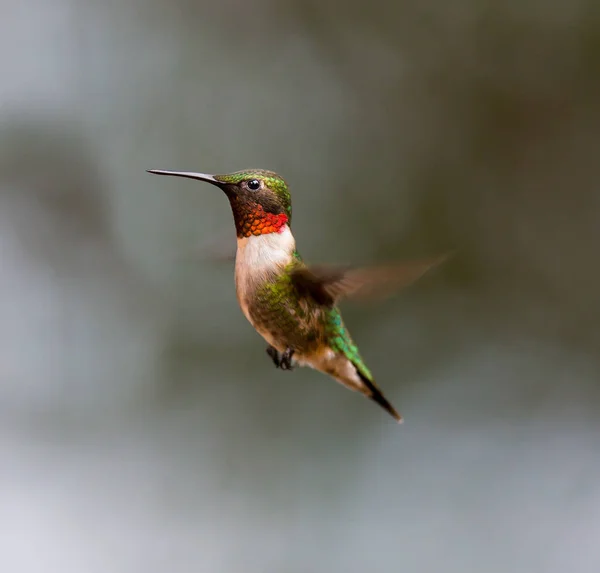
292, 305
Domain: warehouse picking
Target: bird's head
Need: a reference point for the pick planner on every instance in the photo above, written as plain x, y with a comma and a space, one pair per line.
260, 200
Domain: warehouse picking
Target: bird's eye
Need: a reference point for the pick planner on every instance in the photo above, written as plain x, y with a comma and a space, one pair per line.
253, 184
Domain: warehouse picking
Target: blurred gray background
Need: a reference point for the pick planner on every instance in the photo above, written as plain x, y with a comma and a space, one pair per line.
142, 426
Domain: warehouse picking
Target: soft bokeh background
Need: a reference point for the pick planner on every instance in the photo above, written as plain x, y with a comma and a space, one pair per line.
142, 426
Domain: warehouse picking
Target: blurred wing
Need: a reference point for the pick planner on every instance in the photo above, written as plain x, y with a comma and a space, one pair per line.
222, 252
327, 285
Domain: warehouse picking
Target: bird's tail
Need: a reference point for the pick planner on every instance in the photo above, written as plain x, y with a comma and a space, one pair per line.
374, 393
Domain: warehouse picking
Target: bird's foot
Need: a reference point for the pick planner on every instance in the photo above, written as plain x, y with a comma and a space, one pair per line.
275, 356
286, 362
281, 360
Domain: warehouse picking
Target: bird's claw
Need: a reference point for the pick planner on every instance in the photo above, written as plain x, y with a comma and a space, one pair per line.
281, 360
286, 359
274, 354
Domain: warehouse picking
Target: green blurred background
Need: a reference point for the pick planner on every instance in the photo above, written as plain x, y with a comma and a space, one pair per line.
142, 426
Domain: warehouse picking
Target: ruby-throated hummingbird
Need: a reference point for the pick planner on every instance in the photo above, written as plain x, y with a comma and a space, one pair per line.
291, 305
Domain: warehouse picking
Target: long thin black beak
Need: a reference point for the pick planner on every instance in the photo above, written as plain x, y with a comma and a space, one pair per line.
188, 174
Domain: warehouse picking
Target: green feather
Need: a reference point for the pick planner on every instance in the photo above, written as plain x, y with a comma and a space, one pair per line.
304, 325
341, 341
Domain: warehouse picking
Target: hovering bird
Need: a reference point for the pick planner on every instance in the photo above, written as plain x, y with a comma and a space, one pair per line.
291, 305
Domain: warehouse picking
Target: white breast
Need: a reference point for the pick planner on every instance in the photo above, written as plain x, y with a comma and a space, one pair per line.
256, 257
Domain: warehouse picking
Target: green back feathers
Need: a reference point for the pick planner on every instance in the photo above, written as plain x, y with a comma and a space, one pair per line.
341, 341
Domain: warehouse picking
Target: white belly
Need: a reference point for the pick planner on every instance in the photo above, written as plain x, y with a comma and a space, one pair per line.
256, 258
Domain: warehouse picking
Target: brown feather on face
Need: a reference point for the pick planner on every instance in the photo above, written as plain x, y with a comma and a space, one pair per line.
255, 212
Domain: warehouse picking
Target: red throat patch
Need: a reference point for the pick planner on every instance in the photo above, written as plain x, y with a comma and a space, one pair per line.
259, 222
